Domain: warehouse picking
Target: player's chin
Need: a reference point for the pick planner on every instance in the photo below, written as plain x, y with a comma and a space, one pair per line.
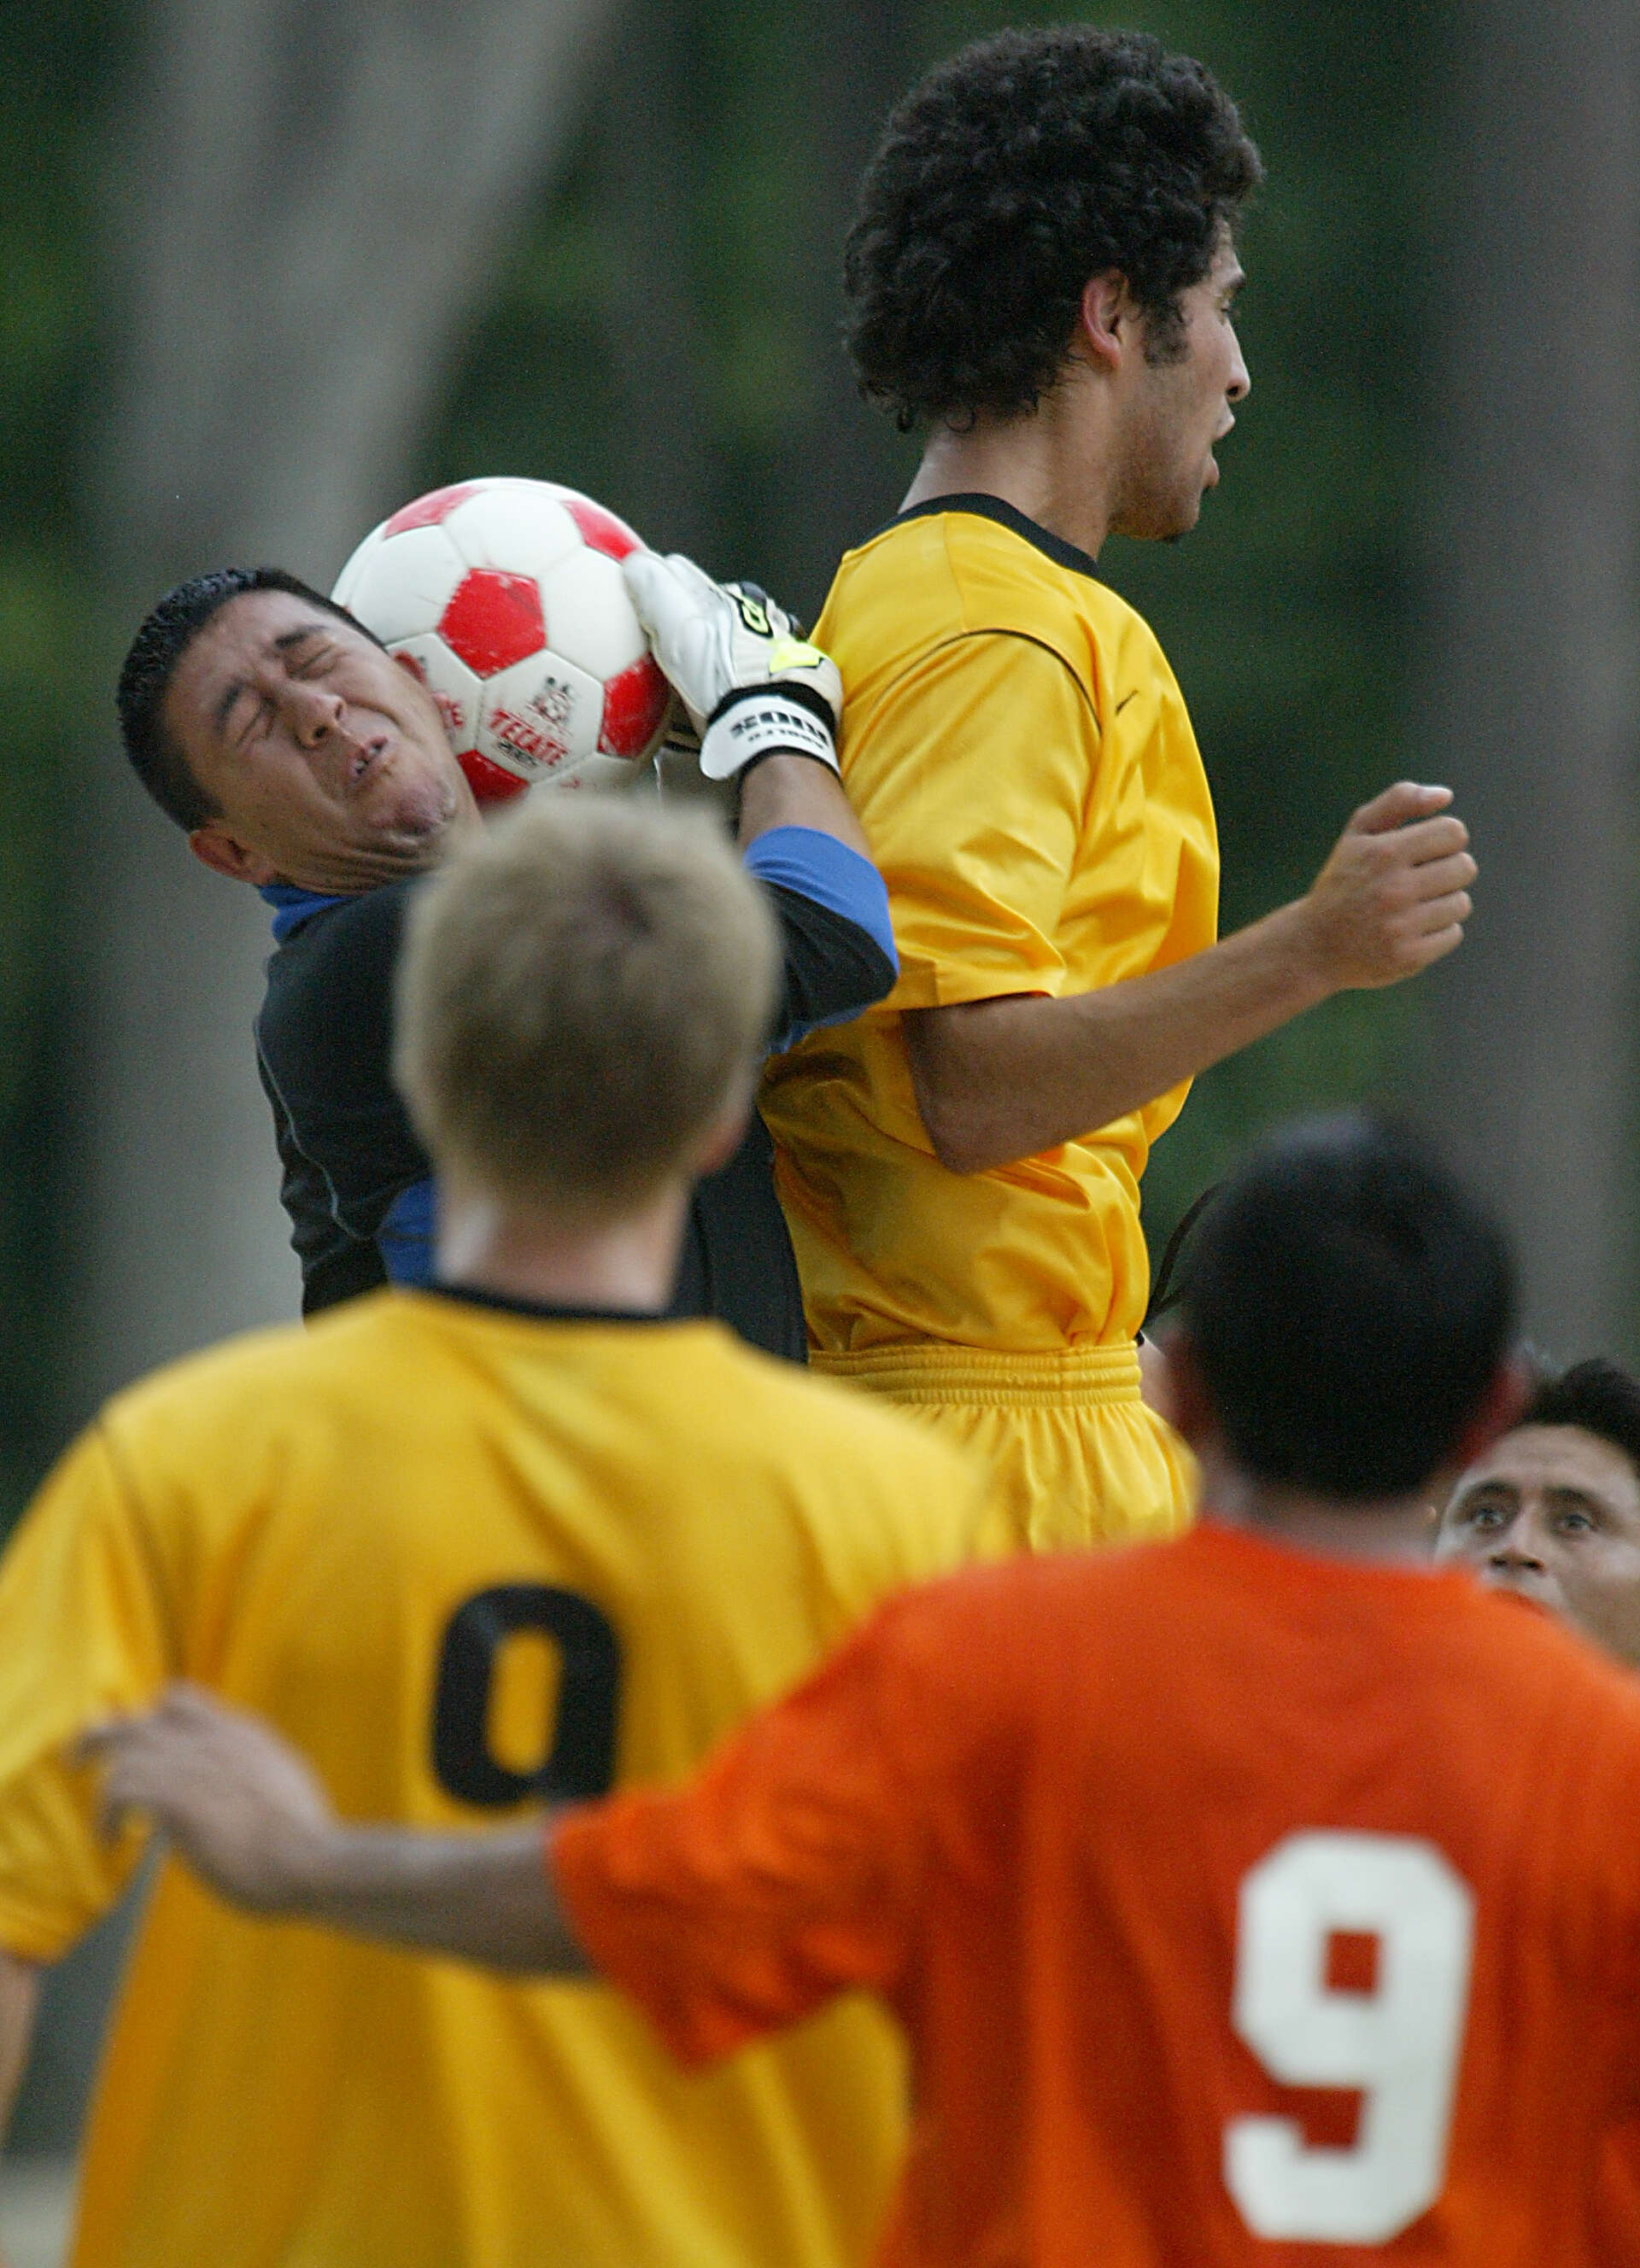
415, 805
1181, 518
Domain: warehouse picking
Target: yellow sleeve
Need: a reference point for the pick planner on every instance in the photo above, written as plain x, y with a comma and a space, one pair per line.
82, 1635
972, 785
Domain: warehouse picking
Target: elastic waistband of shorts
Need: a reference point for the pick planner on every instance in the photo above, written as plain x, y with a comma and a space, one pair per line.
1063, 1378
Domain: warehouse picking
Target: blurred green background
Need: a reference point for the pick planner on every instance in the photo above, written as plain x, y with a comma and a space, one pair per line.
64, 62
272, 266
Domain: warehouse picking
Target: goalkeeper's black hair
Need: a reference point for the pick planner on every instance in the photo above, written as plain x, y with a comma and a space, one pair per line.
1008, 177
1349, 1309
166, 636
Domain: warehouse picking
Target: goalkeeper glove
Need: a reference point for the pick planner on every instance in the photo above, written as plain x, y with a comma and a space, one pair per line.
752, 685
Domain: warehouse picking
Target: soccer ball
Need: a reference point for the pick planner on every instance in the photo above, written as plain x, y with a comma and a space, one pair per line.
506, 598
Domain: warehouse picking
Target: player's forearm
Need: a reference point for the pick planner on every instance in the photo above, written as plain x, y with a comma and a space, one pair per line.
19, 1996
1001, 1079
1007, 1079
247, 1812
485, 1898
796, 791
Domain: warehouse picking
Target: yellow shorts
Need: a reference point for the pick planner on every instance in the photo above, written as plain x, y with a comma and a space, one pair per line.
1075, 1456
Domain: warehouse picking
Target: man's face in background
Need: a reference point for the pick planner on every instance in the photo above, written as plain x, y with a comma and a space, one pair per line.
1554, 1513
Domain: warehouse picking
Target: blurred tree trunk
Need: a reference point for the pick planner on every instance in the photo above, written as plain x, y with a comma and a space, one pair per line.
1536, 709
311, 198
842, 473
834, 69
657, 342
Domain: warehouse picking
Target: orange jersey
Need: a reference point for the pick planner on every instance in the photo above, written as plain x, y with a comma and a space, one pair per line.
1243, 1907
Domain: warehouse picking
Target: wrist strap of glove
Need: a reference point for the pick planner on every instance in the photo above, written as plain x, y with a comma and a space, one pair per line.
757, 721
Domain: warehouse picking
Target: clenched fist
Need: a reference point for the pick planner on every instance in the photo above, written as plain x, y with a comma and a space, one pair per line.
1394, 894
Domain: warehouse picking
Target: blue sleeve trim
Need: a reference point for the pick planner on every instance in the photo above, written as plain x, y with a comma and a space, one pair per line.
292, 906
405, 1237
820, 867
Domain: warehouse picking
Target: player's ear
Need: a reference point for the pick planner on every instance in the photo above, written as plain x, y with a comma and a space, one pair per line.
1179, 1393
1105, 319
718, 1144
215, 846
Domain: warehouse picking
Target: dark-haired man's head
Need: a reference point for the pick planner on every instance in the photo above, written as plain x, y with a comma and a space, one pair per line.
1552, 1510
1038, 203
284, 740
1345, 1332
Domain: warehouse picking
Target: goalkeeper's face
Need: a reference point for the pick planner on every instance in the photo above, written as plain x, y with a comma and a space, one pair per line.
325, 759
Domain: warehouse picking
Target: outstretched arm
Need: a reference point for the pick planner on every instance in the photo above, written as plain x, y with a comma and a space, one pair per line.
249, 1817
790, 1869
1003, 1079
836, 939
766, 705
484, 1898
790, 790
764, 701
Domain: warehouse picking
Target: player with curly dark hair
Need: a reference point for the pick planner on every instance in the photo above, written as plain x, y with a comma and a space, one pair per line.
1011, 176
1041, 275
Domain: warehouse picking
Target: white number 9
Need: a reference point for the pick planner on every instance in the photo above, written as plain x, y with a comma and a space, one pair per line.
1397, 2044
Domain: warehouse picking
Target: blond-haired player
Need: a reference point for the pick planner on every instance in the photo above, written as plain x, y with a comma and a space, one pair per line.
474, 1548
1323, 1955
1042, 273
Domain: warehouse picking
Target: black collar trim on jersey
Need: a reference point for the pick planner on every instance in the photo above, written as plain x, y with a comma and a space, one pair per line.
544, 1310
993, 507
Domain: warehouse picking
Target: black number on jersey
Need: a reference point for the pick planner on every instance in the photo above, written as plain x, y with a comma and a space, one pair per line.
582, 1759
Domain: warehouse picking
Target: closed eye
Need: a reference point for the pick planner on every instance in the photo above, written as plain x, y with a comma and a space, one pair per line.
259, 717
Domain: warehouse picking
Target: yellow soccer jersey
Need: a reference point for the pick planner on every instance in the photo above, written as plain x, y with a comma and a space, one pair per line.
1020, 758
467, 1558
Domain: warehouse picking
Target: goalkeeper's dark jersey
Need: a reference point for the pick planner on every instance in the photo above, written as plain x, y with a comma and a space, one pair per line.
356, 1183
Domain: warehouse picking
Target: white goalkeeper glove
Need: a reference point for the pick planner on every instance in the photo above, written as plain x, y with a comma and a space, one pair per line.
753, 687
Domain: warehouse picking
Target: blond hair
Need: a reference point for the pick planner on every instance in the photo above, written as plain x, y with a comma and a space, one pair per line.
582, 992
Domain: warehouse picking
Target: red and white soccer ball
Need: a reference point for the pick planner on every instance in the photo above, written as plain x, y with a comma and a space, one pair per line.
506, 597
